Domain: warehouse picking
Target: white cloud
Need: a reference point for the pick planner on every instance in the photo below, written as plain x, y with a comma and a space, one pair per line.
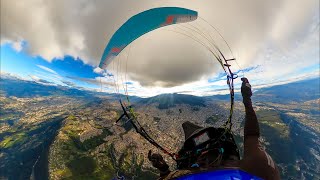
8, 75
47, 69
17, 46
35, 78
98, 70
41, 81
282, 36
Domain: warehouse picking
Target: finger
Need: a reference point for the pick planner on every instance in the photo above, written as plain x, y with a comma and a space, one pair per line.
157, 156
149, 154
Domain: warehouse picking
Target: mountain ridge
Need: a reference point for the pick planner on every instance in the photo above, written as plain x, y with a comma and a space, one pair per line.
299, 91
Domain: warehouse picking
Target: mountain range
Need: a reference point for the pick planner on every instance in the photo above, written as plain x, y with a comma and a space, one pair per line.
79, 130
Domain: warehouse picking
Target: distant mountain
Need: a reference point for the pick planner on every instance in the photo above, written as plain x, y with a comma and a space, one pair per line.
12, 86
299, 91
21, 88
170, 100
224, 97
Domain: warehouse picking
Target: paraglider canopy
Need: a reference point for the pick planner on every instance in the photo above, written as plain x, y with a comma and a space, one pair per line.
141, 24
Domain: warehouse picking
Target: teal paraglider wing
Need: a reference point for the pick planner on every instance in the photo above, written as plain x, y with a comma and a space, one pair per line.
141, 24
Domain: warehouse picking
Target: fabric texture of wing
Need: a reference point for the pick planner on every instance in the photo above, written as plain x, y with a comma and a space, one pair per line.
141, 24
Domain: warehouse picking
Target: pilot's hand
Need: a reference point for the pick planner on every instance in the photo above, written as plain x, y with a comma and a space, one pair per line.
158, 161
246, 91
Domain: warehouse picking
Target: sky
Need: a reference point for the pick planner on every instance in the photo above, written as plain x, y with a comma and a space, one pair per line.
61, 42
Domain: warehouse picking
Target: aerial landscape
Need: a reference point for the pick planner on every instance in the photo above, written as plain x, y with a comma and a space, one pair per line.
165, 89
49, 131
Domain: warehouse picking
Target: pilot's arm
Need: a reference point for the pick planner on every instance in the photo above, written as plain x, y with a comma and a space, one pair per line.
251, 126
255, 160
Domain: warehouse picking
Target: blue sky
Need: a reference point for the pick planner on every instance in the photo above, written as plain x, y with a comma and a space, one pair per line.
74, 73
44, 42
66, 71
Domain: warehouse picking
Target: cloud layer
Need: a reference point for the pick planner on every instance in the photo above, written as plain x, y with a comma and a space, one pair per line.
268, 34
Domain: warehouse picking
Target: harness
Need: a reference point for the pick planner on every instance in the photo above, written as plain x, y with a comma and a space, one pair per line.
213, 144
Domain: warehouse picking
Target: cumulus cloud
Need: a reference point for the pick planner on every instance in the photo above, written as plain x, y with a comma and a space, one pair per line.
260, 33
168, 62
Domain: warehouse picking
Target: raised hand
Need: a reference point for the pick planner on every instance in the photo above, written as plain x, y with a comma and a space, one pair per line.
246, 91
